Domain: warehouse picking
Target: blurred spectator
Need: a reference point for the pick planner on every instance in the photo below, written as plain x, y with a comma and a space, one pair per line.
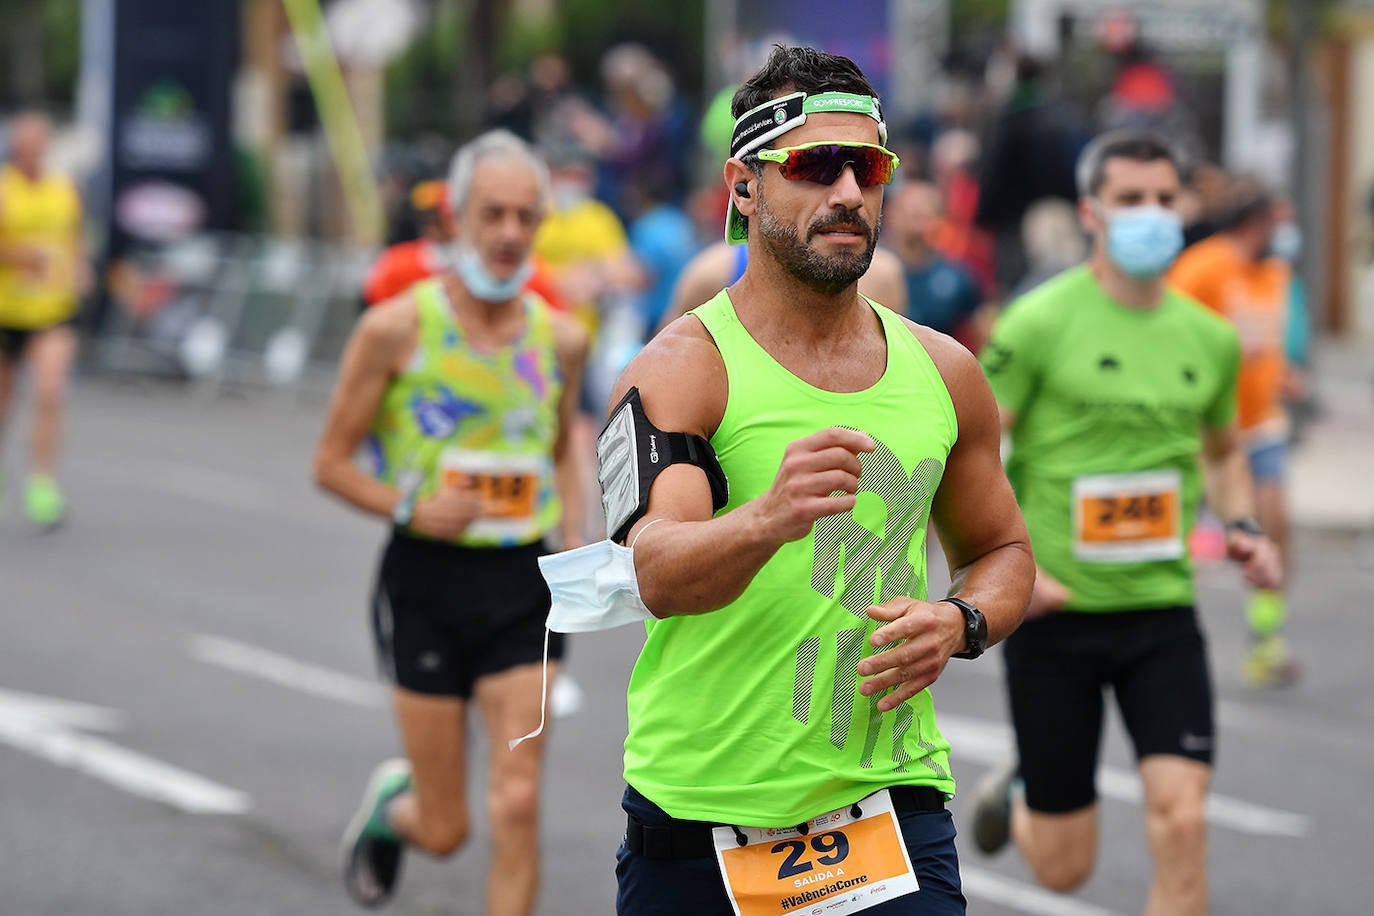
1206, 201
663, 240
953, 160
1143, 97
404, 264
1031, 156
646, 132
582, 241
549, 87
940, 293
1236, 274
508, 106
1054, 242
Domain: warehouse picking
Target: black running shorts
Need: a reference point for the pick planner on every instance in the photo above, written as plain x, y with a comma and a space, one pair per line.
13, 341
1154, 660
444, 615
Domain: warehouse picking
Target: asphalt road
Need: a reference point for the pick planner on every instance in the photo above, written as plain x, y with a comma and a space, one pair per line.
188, 709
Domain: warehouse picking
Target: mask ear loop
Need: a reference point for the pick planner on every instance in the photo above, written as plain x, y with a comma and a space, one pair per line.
543, 699
544, 677
644, 529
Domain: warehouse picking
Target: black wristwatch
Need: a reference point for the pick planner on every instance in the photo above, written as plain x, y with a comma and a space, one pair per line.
975, 629
1246, 524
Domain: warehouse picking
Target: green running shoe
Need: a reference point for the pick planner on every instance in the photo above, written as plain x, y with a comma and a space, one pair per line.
1270, 663
43, 501
371, 849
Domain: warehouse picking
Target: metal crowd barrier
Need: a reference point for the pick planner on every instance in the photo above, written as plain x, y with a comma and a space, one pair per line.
233, 310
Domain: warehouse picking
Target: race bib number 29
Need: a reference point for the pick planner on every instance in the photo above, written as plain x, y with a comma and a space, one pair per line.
843, 863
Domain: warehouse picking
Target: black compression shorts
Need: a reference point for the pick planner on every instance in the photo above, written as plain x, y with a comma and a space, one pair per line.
445, 616
1154, 660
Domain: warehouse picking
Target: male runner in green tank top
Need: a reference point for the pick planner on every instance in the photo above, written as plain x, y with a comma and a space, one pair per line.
1113, 386
461, 390
783, 752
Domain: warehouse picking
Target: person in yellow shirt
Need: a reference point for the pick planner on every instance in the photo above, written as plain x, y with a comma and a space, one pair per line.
582, 241
1236, 274
42, 275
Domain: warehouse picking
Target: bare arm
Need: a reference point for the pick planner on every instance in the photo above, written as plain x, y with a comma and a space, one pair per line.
382, 342
571, 341
1231, 496
689, 562
984, 536
379, 342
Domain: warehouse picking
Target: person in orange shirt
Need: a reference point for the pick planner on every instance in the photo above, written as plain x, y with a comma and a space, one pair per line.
404, 264
1236, 274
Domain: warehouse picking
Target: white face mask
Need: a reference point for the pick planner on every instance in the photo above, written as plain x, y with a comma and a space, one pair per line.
593, 588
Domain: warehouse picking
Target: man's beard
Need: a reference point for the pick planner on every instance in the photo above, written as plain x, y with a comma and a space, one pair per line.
826, 274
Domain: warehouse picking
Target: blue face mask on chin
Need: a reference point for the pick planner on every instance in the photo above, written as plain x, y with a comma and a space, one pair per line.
479, 281
1143, 241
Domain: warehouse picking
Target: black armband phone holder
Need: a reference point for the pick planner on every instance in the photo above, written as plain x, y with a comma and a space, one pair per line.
631, 452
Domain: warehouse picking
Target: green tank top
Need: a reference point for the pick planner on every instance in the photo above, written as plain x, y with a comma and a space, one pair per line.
751, 714
490, 417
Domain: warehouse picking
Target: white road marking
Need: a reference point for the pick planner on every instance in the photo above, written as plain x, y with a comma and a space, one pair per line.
47, 728
285, 671
1023, 898
565, 699
990, 743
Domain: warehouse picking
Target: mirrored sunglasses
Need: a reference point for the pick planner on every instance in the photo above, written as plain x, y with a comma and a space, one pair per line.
824, 161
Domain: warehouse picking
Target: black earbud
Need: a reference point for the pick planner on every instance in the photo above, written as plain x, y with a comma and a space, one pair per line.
742, 188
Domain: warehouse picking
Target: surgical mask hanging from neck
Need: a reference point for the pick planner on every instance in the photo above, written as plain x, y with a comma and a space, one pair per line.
593, 588
1143, 241
479, 281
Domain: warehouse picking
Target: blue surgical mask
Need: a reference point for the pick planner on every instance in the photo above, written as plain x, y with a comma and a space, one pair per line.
1286, 242
1143, 241
479, 281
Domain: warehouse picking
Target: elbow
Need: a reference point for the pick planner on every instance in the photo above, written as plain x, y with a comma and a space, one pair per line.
322, 472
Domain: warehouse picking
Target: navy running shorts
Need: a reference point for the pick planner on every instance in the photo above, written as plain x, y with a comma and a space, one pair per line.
444, 616
693, 886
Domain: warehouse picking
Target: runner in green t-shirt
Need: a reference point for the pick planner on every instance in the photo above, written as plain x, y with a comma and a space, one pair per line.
1113, 386
783, 746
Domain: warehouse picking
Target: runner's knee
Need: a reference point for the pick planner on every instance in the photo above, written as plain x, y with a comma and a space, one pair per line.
515, 802
1064, 873
1177, 823
1063, 856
